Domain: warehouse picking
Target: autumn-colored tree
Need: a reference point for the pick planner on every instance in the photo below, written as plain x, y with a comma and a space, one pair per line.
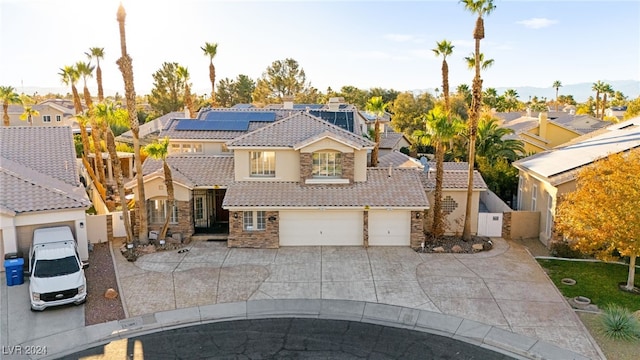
601, 216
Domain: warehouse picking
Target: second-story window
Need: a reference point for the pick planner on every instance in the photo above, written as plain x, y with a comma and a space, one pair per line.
263, 163
58, 118
46, 118
327, 164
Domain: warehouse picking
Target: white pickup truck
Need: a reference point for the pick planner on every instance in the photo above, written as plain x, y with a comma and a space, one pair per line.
57, 274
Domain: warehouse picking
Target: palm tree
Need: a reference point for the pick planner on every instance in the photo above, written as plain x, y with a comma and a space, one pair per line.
211, 49
441, 129
85, 71
159, 151
70, 76
556, 85
444, 49
606, 90
29, 110
377, 107
103, 113
464, 91
598, 87
97, 53
484, 64
183, 73
82, 119
479, 8
8, 96
492, 145
126, 68
511, 99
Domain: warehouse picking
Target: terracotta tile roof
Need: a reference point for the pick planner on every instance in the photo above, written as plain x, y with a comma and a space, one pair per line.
193, 170
451, 165
390, 140
46, 149
295, 129
452, 179
398, 159
402, 189
24, 190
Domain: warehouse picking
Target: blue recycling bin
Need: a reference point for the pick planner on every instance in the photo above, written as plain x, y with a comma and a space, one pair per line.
14, 272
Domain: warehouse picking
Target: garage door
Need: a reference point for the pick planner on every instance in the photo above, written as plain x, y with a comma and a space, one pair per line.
389, 228
313, 228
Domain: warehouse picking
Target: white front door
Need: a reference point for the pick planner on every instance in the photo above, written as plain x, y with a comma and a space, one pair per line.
321, 228
389, 228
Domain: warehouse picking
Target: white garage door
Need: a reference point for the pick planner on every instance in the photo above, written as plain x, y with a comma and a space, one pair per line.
314, 228
389, 228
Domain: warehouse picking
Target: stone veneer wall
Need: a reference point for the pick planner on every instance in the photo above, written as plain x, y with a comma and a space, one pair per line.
306, 167
417, 229
365, 230
261, 239
185, 224
506, 225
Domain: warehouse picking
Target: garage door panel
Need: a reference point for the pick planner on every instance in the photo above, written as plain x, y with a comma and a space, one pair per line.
389, 228
321, 228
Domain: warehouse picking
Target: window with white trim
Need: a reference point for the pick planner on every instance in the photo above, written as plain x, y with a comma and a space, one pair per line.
262, 163
327, 164
157, 211
549, 222
58, 118
534, 198
46, 118
254, 220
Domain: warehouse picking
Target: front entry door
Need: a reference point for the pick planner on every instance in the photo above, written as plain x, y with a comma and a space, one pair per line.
208, 214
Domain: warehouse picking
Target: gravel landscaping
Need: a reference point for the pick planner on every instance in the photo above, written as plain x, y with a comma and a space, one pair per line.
101, 276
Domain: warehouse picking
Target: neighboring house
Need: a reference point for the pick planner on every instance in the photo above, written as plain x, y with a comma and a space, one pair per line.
454, 192
546, 130
616, 111
39, 186
285, 179
52, 112
150, 130
546, 176
391, 141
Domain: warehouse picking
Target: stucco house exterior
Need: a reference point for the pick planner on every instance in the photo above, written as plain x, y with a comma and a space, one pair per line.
39, 186
284, 177
391, 141
546, 176
52, 112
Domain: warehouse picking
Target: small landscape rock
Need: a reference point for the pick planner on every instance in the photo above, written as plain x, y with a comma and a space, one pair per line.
477, 247
438, 249
110, 293
457, 249
637, 314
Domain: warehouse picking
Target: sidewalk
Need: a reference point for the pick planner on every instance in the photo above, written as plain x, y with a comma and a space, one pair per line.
504, 288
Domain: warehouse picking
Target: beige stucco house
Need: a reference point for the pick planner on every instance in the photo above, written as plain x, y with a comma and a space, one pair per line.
282, 177
39, 186
51, 112
544, 177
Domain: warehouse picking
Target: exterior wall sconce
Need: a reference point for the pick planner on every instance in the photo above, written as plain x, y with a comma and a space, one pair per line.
417, 215
81, 225
235, 215
272, 218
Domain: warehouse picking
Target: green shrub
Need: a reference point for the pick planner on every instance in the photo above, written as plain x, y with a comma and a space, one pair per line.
562, 249
620, 324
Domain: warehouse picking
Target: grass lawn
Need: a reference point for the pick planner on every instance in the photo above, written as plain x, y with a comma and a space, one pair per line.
595, 280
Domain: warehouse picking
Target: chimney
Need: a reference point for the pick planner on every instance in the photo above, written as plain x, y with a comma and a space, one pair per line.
334, 103
528, 112
187, 114
287, 102
542, 123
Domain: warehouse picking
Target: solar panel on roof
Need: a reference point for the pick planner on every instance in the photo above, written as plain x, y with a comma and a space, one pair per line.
263, 116
342, 119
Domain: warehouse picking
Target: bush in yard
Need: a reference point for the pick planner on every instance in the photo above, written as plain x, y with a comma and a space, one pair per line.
620, 324
563, 249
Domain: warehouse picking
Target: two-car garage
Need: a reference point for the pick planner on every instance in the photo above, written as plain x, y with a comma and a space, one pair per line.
344, 227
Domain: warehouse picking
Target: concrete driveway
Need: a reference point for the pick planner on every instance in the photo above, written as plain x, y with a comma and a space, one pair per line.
504, 287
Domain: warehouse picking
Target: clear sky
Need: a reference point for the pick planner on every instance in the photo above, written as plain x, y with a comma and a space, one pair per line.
361, 43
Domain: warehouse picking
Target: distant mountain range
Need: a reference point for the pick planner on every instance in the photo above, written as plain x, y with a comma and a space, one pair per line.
580, 92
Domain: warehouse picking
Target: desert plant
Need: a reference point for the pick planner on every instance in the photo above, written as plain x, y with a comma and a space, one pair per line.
619, 323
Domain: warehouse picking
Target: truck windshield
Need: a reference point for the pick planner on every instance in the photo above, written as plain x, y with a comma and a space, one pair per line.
56, 267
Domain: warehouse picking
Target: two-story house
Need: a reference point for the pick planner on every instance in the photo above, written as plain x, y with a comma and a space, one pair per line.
51, 112
544, 177
291, 179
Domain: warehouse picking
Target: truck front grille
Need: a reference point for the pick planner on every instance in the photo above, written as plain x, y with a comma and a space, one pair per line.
59, 295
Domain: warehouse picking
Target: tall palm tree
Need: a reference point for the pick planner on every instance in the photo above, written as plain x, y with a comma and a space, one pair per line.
160, 151
556, 85
85, 71
444, 49
598, 87
103, 113
441, 128
70, 77
492, 145
29, 113
511, 99
464, 91
98, 53
484, 64
8, 96
479, 8
83, 119
606, 90
211, 49
183, 73
126, 68
376, 106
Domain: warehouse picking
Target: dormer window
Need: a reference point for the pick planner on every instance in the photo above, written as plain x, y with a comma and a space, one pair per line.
327, 164
263, 163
